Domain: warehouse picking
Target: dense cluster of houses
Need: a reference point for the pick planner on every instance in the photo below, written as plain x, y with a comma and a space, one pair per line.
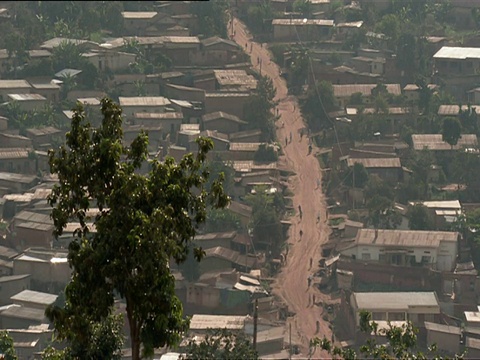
204, 95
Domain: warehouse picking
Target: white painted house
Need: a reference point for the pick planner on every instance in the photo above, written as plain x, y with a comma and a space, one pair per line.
436, 249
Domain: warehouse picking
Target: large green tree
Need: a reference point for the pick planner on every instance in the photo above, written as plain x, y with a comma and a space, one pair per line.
419, 218
143, 222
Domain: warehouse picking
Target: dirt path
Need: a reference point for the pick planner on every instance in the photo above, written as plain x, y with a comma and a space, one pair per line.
292, 283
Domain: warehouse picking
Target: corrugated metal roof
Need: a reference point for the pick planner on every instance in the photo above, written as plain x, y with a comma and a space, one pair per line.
35, 226
30, 216
365, 89
13, 153
448, 110
457, 53
244, 146
240, 208
36, 297
21, 178
441, 204
159, 116
47, 130
435, 142
204, 322
369, 163
222, 115
139, 14
235, 78
404, 238
230, 255
217, 235
14, 84
144, 101
26, 97
247, 166
27, 313
375, 301
302, 22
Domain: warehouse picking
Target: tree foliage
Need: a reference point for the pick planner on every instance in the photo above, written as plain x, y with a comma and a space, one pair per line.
401, 343
357, 176
258, 109
451, 130
221, 344
6, 347
212, 17
382, 214
316, 105
419, 218
143, 222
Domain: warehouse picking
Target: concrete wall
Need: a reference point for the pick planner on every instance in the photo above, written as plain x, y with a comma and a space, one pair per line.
444, 341
10, 288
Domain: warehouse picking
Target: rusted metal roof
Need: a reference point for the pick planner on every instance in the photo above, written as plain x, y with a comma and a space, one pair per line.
365, 89
435, 142
376, 162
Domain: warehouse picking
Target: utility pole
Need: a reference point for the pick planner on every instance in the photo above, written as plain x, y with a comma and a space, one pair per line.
290, 340
255, 321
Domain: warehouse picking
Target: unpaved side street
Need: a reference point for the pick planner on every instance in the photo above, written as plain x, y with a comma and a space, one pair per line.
291, 284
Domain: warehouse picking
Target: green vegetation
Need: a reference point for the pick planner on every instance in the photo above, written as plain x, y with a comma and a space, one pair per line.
6, 347
144, 222
221, 344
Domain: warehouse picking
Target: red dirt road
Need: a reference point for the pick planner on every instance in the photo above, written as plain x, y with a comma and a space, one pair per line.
291, 284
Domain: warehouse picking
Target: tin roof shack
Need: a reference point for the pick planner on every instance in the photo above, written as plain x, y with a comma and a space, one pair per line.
11, 285
150, 104
181, 49
243, 211
17, 160
13, 87
186, 93
212, 240
242, 151
454, 110
6, 260
270, 341
234, 80
33, 299
457, 68
14, 141
49, 268
29, 342
472, 318
416, 307
214, 293
388, 169
199, 324
247, 136
31, 234
28, 102
447, 338
215, 51
392, 121
434, 142
435, 249
442, 212
45, 137
50, 91
295, 29
170, 122
16, 183
473, 348
136, 22
222, 122
111, 60
342, 93
147, 104
21, 317
227, 102
220, 258
187, 134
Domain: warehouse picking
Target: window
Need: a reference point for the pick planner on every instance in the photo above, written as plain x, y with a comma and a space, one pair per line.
426, 259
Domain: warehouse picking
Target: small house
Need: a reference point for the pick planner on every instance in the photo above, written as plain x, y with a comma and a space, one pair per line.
445, 337
138, 104
223, 122
28, 102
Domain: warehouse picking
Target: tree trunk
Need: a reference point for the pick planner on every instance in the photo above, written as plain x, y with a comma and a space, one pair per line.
134, 334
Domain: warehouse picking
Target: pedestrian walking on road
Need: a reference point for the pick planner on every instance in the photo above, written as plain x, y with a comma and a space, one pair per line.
309, 281
286, 141
246, 46
313, 302
309, 149
311, 262
301, 234
291, 136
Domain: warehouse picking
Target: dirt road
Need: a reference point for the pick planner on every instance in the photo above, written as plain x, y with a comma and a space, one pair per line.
292, 282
